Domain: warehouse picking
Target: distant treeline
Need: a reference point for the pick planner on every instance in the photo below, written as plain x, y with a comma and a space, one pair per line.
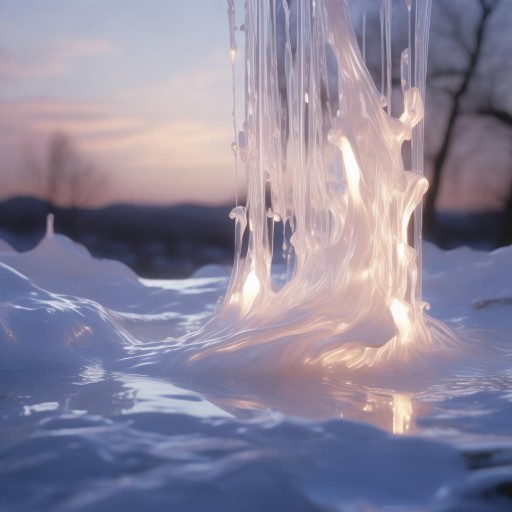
155, 241
173, 241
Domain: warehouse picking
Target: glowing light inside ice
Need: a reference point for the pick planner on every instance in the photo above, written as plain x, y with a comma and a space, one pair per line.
324, 167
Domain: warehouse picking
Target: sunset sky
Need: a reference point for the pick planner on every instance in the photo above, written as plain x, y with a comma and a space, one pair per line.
142, 89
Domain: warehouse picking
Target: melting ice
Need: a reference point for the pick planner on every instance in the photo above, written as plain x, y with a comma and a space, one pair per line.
112, 396
323, 161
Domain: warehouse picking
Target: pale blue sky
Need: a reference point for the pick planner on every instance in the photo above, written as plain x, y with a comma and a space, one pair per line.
143, 89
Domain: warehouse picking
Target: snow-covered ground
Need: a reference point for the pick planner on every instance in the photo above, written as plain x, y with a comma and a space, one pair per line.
94, 416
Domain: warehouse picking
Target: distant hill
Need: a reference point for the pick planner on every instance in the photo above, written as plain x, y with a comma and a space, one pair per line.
482, 230
156, 241
173, 241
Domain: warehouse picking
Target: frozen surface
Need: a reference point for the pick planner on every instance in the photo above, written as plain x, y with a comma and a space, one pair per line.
325, 390
95, 415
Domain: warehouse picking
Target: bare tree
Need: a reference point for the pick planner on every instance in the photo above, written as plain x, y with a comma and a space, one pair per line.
469, 88
68, 178
463, 58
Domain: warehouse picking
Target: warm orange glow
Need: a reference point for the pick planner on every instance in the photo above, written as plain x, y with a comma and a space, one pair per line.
250, 291
402, 414
400, 312
336, 179
352, 168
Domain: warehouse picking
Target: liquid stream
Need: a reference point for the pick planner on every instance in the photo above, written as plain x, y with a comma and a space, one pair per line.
324, 166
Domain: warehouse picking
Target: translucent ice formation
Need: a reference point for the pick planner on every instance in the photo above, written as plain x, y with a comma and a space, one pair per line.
323, 159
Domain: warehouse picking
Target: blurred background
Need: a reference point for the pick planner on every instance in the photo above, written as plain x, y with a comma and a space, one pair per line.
116, 117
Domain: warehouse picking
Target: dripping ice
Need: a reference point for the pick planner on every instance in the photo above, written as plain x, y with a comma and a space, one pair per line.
323, 161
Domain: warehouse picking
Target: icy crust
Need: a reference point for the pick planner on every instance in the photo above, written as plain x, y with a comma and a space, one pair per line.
58, 302
60, 306
191, 464
41, 328
94, 422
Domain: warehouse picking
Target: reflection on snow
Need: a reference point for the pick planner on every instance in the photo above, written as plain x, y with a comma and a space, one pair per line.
402, 414
136, 338
42, 407
186, 286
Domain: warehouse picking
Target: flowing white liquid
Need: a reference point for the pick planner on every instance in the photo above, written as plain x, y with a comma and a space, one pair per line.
318, 141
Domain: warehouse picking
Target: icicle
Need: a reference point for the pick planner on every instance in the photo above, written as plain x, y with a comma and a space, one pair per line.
232, 55
363, 35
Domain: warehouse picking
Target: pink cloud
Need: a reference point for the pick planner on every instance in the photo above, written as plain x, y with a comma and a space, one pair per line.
55, 59
146, 160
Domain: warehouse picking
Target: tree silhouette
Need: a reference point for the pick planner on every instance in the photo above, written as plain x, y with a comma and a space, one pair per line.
469, 89
69, 179
459, 82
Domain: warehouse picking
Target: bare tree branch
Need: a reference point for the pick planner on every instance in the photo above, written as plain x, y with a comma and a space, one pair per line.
455, 109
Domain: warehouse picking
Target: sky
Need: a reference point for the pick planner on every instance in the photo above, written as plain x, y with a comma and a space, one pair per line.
143, 92
142, 89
